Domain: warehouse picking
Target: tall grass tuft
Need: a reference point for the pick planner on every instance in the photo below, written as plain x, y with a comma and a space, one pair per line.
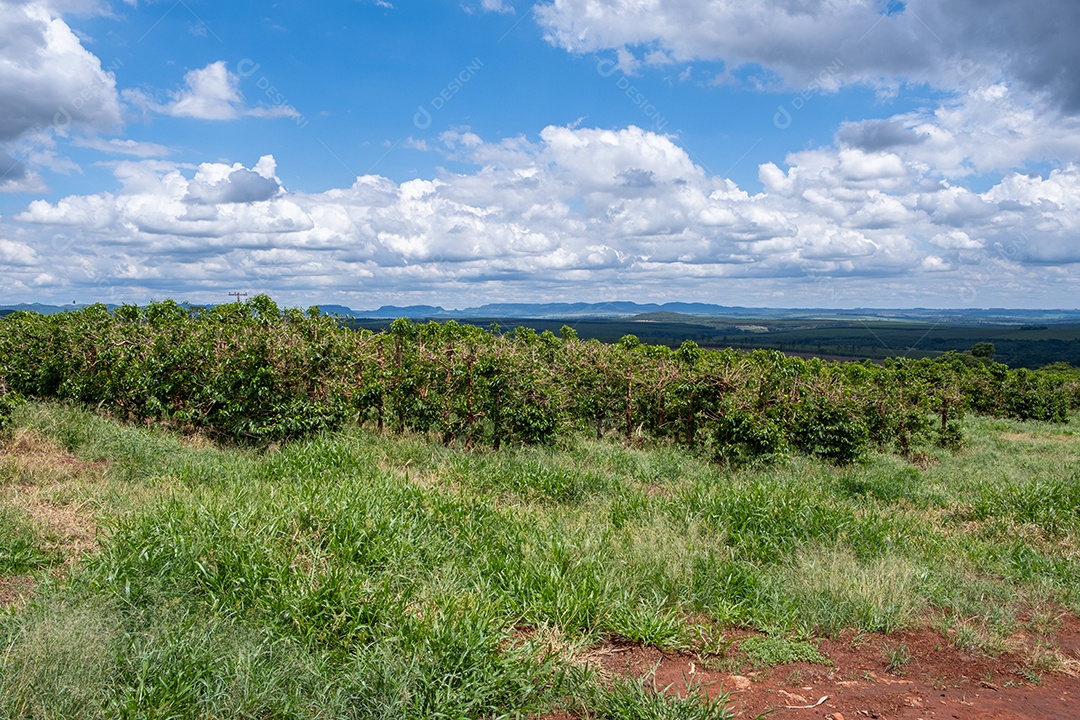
832, 590
58, 660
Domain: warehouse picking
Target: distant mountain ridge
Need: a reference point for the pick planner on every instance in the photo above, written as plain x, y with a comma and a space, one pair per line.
629, 309
614, 309
39, 308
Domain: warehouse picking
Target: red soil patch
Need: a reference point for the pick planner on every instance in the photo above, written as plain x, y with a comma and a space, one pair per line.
939, 681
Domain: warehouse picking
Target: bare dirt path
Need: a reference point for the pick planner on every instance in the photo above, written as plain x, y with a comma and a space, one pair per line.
938, 681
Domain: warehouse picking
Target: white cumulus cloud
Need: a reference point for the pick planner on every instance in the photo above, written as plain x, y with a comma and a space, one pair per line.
209, 93
48, 80
575, 212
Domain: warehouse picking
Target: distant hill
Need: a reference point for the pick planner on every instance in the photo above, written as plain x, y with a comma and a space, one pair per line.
671, 312
36, 307
408, 311
615, 309
686, 312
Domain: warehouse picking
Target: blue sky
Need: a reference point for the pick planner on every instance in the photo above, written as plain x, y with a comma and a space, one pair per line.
358, 72
830, 153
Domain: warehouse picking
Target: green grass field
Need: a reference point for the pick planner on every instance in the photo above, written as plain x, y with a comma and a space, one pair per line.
149, 575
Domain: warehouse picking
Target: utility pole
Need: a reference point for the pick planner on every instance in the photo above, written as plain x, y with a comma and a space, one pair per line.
238, 295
